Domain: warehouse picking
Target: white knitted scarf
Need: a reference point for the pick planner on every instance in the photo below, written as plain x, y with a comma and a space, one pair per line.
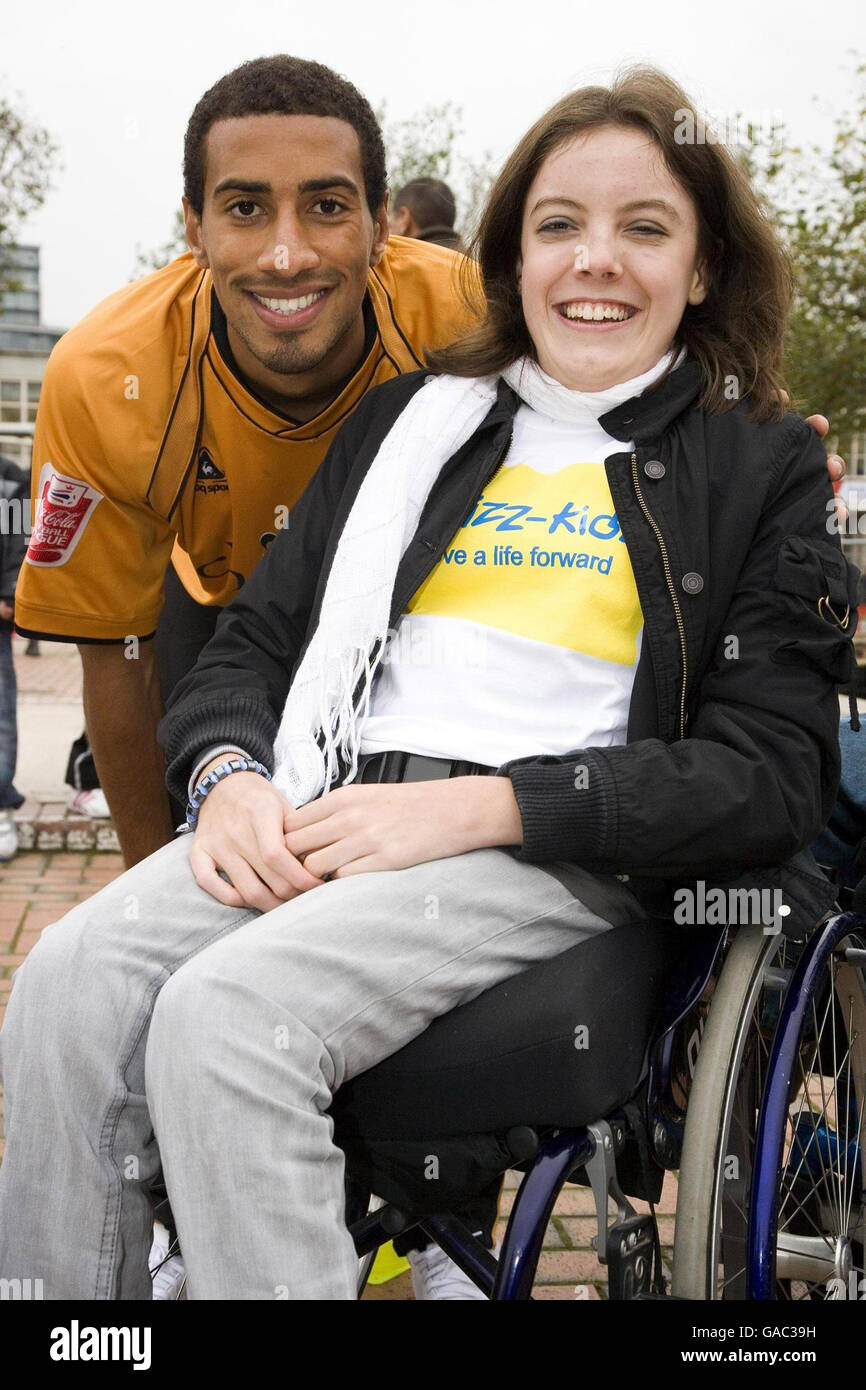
352, 631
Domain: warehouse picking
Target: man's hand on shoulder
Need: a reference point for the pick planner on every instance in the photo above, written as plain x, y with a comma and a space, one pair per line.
835, 463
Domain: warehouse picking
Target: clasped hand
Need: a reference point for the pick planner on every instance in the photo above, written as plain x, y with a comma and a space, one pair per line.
271, 852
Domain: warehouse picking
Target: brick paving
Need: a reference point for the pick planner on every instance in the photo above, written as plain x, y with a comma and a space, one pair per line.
36, 889
54, 675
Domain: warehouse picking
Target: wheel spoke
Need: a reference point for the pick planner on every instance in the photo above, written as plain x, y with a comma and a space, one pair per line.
832, 1182
835, 1084
795, 1124
849, 1069
821, 1083
859, 1139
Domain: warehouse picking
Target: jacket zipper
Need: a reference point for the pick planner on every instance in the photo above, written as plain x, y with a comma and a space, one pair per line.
671, 589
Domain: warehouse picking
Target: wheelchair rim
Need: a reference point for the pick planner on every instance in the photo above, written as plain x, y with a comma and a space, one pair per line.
712, 1212
808, 1212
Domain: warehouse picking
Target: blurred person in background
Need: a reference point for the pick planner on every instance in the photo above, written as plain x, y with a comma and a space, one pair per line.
14, 487
425, 209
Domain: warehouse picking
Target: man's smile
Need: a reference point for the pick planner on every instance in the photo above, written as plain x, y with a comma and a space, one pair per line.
280, 310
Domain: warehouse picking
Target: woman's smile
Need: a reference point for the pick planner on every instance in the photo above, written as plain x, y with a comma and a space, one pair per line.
596, 313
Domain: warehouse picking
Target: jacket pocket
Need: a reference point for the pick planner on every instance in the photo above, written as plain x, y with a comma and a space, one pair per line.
816, 588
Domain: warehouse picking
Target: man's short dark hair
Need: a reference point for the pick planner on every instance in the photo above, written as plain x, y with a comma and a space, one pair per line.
284, 86
430, 201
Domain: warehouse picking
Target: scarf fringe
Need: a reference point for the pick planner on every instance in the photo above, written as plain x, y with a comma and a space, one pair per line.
320, 726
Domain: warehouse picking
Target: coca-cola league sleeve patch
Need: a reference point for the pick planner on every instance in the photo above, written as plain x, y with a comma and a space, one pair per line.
64, 506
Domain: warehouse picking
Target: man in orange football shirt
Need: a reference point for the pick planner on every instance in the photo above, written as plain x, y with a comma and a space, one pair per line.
188, 411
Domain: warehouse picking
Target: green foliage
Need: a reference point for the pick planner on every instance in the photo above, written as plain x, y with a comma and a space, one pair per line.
422, 146
27, 164
146, 261
818, 200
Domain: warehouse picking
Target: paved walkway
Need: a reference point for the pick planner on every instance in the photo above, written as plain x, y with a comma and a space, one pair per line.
50, 715
50, 718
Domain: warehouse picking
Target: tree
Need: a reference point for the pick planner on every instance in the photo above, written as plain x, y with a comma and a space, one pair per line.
146, 261
27, 164
818, 199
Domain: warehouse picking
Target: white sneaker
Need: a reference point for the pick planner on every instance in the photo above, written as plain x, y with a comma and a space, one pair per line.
8, 836
435, 1277
92, 803
167, 1271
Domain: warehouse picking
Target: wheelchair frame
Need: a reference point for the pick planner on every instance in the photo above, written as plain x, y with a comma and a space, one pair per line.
734, 1155
723, 1126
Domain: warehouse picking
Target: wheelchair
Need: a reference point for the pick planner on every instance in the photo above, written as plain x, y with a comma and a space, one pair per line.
732, 1056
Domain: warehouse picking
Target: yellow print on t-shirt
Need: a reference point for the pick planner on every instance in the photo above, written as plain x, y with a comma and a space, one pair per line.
542, 555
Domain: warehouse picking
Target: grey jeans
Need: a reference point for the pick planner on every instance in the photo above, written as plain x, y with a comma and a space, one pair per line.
153, 1027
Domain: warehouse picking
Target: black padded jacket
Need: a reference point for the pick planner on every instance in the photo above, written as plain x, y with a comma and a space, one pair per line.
731, 764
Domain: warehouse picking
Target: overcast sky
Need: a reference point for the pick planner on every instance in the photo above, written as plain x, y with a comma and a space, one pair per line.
115, 83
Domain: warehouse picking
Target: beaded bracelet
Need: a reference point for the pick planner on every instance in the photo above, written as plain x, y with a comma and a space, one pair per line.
207, 783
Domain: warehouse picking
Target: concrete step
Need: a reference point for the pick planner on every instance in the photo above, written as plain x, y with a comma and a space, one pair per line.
51, 827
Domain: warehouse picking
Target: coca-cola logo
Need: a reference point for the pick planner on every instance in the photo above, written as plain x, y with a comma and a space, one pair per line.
63, 508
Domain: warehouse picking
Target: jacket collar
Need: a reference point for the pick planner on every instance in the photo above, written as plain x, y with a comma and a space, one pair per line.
642, 418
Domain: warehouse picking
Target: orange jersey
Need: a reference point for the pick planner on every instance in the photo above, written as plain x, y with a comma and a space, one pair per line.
146, 440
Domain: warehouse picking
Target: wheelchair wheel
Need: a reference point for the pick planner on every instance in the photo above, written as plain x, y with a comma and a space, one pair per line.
710, 1238
777, 1138
808, 1208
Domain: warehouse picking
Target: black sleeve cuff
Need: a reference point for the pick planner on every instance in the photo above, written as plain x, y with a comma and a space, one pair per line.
185, 733
565, 807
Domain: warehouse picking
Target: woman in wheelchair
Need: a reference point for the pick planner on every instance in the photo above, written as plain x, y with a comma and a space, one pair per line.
550, 645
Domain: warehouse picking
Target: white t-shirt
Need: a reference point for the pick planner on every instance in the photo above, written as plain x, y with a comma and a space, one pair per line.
525, 637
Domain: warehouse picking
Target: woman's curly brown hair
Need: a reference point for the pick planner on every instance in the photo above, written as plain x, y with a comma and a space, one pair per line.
736, 334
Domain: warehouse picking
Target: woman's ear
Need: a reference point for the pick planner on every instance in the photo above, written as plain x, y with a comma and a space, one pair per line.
519, 272
699, 287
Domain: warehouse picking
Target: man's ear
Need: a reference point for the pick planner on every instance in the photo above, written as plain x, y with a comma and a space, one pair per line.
192, 224
381, 232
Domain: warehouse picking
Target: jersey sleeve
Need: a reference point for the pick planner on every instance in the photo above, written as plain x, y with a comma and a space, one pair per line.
97, 552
